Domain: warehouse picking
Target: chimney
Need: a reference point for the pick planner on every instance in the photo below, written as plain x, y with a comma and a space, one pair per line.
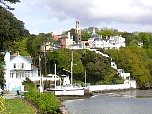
17, 53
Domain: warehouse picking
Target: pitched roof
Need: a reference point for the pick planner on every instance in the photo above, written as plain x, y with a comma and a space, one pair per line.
28, 58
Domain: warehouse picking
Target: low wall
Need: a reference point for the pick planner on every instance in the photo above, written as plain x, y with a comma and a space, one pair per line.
129, 85
69, 92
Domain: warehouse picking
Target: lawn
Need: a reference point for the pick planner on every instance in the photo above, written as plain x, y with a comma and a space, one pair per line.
17, 106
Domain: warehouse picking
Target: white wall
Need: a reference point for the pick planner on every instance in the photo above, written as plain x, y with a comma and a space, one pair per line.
125, 75
7, 69
69, 92
18, 60
15, 84
130, 84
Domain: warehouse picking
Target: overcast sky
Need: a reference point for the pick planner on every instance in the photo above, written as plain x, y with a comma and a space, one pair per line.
44, 16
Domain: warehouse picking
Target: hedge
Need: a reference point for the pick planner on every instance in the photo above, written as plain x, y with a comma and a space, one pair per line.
45, 102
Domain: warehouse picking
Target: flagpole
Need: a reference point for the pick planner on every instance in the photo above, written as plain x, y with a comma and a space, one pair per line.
40, 70
72, 67
41, 80
55, 75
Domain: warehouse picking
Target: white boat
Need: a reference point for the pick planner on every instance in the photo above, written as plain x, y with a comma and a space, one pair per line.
66, 88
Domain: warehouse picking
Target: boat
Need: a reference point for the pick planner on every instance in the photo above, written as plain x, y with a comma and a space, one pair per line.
66, 88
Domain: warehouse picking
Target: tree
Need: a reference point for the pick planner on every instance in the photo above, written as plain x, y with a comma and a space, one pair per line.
3, 106
10, 1
29, 85
129, 37
146, 38
97, 67
62, 57
105, 32
20, 46
135, 61
1, 70
85, 35
11, 29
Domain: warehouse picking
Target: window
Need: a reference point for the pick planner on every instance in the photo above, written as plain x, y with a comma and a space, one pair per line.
22, 65
14, 65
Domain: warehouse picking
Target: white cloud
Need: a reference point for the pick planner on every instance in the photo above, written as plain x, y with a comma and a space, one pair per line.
98, 11
122, 13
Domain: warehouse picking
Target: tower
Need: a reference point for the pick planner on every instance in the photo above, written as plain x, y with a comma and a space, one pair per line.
78, 31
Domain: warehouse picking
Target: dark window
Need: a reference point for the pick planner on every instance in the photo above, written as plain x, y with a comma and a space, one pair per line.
22, 65
14, 65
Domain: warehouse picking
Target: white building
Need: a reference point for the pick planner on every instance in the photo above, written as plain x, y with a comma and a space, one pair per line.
69, 40
46, 46
17, 68
108, 43
121, 73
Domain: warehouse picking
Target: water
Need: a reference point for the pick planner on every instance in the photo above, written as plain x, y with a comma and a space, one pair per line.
129, 102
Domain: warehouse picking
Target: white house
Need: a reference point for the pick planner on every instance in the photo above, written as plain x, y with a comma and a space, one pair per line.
17, 68
46, 46
108, 43
121, 73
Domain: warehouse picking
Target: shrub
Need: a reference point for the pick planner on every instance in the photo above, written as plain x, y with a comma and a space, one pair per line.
29, 85
45, 102
2, 106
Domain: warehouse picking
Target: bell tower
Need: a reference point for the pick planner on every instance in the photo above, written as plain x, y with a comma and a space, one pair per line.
78, 31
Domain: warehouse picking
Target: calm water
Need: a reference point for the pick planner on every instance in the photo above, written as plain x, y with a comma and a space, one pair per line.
129, 102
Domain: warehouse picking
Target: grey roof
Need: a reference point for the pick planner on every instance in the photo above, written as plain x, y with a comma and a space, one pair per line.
12, 56
28, 58
34, 67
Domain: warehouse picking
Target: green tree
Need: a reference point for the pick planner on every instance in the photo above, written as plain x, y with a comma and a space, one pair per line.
145, 37
85, 35
20, 46
11, 29
1, 70
10, 1
136, 61
97, 67
105, 32
3, 105
62, 58
29, 85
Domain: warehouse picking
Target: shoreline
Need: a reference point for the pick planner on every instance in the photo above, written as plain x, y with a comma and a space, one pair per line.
64, 110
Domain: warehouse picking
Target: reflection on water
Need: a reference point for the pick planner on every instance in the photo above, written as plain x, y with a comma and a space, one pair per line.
128, 102
132, 93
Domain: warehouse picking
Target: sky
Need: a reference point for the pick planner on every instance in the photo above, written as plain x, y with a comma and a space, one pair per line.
45, 16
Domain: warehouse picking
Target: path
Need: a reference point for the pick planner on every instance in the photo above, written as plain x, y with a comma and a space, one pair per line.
10, 95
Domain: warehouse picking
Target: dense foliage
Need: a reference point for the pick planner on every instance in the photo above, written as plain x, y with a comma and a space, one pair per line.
136, 61
1, 70
29, 85
10, 1
97, 67
11, 29
45, 102
2, 105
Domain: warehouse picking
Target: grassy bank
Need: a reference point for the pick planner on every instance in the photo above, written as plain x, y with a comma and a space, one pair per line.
18, 106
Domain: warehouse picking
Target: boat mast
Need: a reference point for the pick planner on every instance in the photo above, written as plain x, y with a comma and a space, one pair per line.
85, 77
40, 70
55, 74
71, 67
41, 76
